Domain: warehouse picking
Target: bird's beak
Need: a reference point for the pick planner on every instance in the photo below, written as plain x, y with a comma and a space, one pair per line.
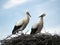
42, 15
30, 15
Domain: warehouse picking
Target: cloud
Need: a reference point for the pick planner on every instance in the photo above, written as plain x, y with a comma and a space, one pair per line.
12, 3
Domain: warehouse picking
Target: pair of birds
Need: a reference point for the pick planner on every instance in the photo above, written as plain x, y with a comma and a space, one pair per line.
22, 23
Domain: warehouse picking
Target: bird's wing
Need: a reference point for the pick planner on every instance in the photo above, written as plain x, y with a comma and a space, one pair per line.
20, 22
16, 29
39, 28
18, 25
34, 28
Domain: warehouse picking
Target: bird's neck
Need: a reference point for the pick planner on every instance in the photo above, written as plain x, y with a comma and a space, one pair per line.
27, 17
41, 19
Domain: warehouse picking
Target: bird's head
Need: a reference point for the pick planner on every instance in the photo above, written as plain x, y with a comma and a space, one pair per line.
28, 13
42, 15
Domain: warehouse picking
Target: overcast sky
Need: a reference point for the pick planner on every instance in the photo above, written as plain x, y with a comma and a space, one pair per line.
13, 10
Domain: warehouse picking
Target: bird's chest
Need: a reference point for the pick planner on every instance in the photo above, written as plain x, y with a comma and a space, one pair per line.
24, 25
26, 22
40, 26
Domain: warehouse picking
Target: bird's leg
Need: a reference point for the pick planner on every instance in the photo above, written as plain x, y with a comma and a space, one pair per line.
22, 33
26, 31
19, 32
16, 33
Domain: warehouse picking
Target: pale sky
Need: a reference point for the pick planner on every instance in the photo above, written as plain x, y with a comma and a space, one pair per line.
13, 10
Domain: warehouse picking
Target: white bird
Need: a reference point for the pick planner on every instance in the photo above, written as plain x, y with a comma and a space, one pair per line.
37, 27
21, 24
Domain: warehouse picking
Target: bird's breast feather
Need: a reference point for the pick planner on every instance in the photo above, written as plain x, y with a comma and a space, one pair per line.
20, 22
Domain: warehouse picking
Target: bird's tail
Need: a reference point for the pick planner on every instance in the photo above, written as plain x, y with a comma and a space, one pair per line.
16, 29
13, 32
33, 31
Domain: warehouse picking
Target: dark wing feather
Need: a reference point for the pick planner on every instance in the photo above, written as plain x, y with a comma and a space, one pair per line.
33, 30
16, 29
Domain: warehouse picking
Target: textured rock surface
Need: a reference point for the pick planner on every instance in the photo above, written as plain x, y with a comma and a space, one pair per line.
37, 39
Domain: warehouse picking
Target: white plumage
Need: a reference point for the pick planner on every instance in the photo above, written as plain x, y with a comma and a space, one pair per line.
21, 24
37, 27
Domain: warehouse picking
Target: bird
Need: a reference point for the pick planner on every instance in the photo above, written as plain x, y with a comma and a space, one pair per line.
22, 23
37, 27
